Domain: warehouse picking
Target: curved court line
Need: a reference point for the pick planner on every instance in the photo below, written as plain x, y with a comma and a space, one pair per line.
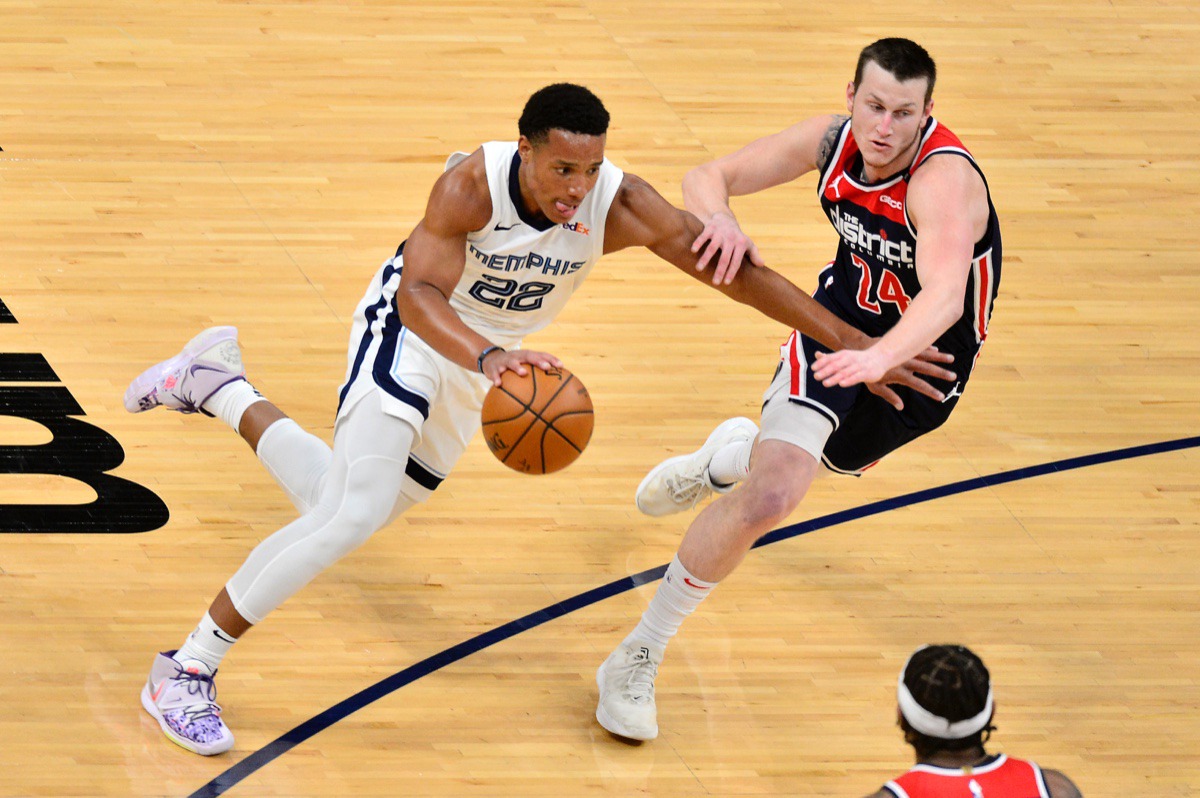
370, 695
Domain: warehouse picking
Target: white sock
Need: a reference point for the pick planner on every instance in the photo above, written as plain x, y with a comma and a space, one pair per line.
731, 463
207, 643
678, 596
232, 401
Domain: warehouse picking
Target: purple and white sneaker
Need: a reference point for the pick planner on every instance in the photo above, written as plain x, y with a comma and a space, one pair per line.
181, 696
209, 362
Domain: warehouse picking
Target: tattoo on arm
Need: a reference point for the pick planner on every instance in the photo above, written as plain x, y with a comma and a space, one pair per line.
829, 141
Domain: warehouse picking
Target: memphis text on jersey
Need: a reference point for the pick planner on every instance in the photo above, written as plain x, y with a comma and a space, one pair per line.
532, 260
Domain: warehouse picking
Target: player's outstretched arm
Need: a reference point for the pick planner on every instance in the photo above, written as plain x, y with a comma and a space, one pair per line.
434, 258
639, 216
761, 164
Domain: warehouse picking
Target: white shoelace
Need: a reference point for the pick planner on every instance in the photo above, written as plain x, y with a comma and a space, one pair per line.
688, 489
639, 687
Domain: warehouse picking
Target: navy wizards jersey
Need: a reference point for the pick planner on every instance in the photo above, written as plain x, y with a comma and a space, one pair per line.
873, 278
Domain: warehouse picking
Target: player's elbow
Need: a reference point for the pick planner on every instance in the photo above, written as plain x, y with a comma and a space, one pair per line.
412, 300
406, 303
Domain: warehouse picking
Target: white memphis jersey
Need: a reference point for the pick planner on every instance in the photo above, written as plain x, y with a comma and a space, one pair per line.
520, 271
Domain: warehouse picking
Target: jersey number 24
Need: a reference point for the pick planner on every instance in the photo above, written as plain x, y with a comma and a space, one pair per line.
889, 289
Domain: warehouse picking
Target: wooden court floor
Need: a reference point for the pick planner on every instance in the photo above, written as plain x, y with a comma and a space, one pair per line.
170, 166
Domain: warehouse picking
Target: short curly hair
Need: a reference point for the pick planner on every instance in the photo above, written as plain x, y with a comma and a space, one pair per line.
562, 106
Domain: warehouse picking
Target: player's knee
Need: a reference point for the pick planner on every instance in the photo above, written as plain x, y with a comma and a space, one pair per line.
360, 520
771, 502
345, 529
340, 538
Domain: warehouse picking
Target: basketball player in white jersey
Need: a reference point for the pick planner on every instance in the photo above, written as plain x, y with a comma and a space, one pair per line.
509, 232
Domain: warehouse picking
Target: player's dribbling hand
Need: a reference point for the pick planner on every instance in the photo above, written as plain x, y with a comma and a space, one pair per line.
499, 362
724, 237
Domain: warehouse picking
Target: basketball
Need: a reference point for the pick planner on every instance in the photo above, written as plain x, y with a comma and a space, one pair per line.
539, 423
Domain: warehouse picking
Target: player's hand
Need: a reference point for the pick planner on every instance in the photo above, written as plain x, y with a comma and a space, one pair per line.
906, 374
498, 362
850, 367
722, 236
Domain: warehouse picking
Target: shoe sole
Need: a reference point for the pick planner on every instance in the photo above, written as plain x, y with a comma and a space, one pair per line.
611, 724
169, 733
145, 381
740, 421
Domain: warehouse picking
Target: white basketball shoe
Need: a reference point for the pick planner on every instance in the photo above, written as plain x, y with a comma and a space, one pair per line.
626, 682
209, 362
182, 697
680, 483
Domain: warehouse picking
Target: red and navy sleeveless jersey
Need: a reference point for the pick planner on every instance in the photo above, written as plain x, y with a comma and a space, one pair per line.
998, 777
874, 276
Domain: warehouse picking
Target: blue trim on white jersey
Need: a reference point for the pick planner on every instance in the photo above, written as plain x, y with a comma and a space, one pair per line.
365, 343
390, 336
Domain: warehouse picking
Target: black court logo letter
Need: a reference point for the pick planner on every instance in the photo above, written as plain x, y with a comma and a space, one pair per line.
78, 450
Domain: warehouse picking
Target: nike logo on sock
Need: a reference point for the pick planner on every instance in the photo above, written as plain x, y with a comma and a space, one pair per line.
690, 583
224, 639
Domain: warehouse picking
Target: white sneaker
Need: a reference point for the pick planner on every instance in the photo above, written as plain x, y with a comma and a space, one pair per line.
680, 483
209, 362
181, 696
626, 681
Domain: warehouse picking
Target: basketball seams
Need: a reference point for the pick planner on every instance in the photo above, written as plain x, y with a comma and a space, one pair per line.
551, 428
536, 450
546, 434
537, 414
517, 442
528, 408
520, 412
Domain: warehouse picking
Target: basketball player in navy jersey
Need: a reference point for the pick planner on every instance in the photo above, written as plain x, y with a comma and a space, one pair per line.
945, 709
509, 232
917, 265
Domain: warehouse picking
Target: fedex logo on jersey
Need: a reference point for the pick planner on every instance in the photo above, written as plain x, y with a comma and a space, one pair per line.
894, 253
532, 261
576, 227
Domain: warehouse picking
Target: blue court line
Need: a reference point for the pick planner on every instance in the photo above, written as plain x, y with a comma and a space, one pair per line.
381, 689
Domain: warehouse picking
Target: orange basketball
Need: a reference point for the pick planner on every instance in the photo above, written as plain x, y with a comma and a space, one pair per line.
538, 423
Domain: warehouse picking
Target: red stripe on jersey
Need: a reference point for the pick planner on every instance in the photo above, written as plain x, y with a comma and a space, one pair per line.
985, 292
794, 362
939, 138
884, 202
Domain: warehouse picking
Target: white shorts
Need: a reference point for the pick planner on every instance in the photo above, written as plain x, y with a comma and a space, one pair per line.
440, 399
